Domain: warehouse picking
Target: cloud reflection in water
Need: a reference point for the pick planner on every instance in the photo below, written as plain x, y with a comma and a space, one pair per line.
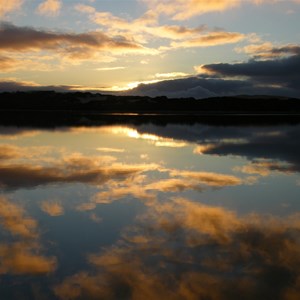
175, 247
186, 250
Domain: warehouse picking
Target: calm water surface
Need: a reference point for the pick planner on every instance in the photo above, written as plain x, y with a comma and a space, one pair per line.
150, 212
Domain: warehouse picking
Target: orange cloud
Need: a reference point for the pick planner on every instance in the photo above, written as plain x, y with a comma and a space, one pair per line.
146, 27
174, 185
13, 219
20, 45
138, 186
9, 152
8, 63
268, 50
265, 168
185, 9
186, 250
52, 208
212, 179
211, 39
70, 169
49, 8
23, 258
7, 6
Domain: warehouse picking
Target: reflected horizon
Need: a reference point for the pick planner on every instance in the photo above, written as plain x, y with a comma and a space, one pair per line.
145, 212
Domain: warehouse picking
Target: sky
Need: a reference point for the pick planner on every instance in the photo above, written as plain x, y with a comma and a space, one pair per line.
178, 48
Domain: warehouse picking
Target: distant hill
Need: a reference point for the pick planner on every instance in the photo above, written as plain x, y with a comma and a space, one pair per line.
100, 103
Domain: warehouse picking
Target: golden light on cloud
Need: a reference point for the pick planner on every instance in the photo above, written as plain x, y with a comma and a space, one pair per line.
115, 150
52, 208
13, 219
171, 75
23, 259
210, 39
205, 246
185, 9
22, 256
50, 7
7, 6
151, 138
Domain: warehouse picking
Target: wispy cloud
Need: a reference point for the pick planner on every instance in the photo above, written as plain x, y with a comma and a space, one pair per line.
116, 150
268, 50
50, 8
52, 208
7, 6
13, 219
71, 169
210, 39
110, 68
23, 256
20, 45
182, 10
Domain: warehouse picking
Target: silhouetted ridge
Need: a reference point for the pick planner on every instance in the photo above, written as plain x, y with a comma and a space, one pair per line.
99, 103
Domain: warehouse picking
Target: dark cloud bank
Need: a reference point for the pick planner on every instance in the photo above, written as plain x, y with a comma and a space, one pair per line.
277, 144
279, 76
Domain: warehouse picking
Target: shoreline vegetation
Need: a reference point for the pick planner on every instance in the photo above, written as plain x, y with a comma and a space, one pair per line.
52, 109
114, 104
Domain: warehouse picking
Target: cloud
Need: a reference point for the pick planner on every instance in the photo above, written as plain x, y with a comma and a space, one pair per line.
204, 86
170, 75
12, 133
115, 150
151, 138
187, 250
8, 64
282, 71
147, 27
278, 76
182, 10
13, 85
23, 259
110, 68
72, 169
276, 147
23, 256
45, 50
176, 32
9, 152
272, 151
52, 208
25, 38
210, 39
212, 179
268, 50
265, 167
143, 189
13, 219
49, 8
7, 6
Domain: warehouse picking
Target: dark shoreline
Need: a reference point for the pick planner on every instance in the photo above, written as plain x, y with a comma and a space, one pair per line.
53, 119
50, 109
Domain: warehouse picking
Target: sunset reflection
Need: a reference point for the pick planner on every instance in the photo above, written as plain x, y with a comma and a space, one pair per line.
150, 212
23, 255
186, 250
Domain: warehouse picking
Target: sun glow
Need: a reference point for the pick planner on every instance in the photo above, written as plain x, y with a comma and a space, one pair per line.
151, 138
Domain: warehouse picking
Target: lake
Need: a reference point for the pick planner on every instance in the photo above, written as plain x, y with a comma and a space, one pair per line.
150, 211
